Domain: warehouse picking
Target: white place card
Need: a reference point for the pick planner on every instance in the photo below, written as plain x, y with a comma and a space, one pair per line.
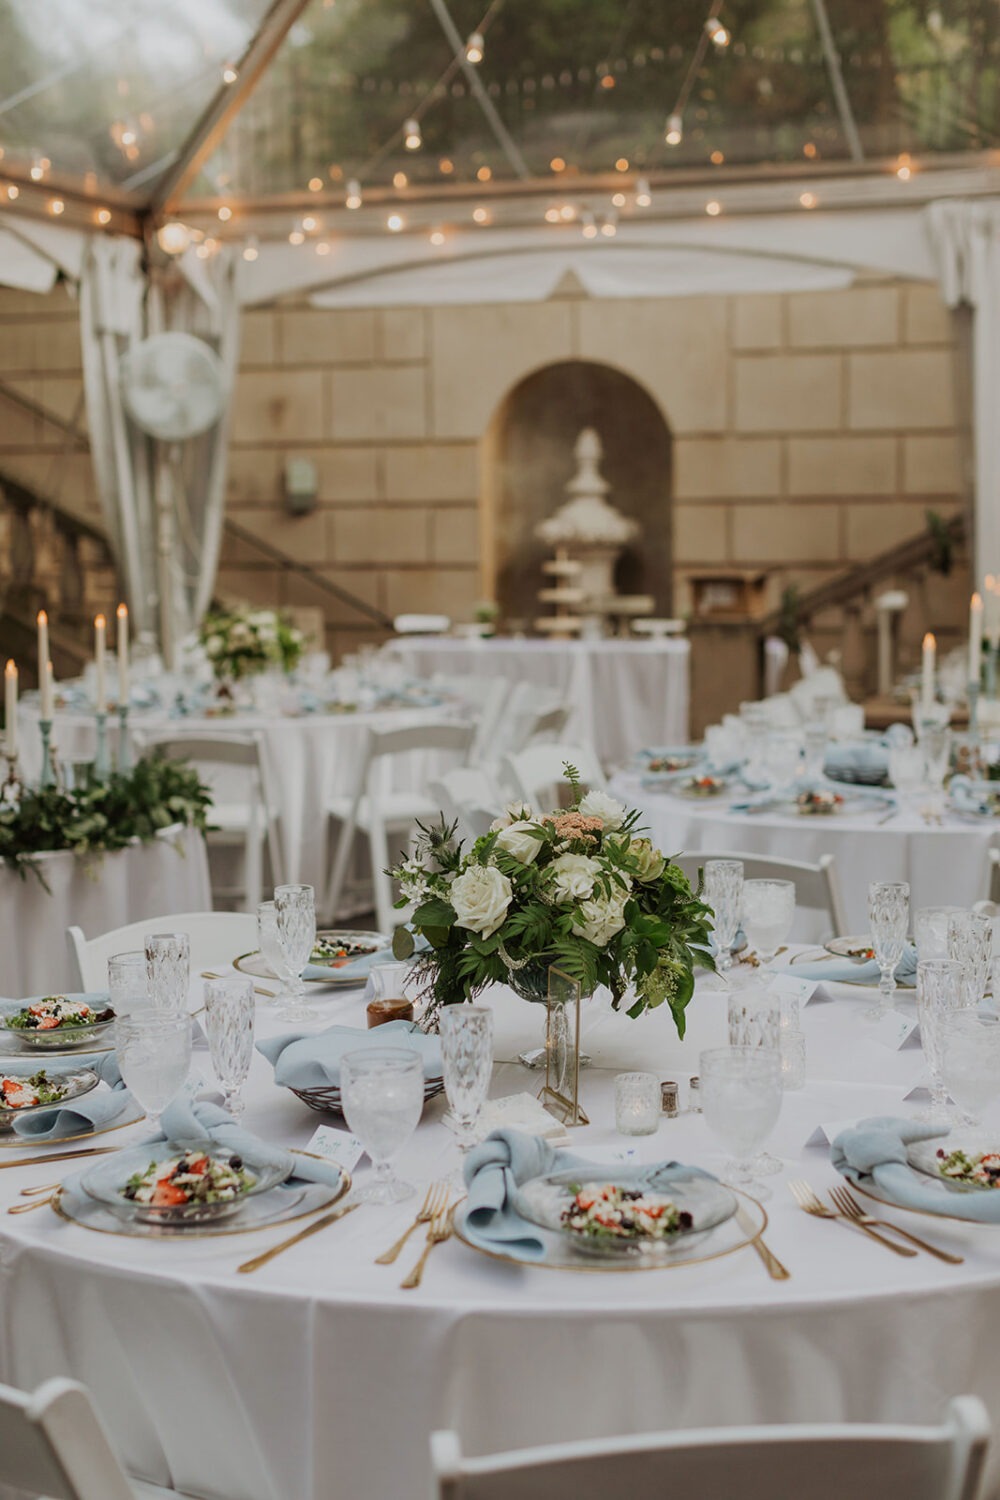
787, 987
896, 1031
338, 1146
825, 1135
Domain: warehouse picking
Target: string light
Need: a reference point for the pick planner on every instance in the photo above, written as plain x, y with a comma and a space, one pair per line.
446, 166
717, 33
230, 73
552, 215
315, 184
400, 180
589, 227
394, 223
904, 170
251, 248
643, 197
309, 224
609, 228
808, 200
621, 165
437, 237
567, 213
674, 132
557, 164
296, 237
475, 47
39, 166
717, 158
484, 174
173, 237
481, 215
13, 192
713, 208
412, 138
103, 216
56, 206
618, 199
353, 199
323, 247
225, 213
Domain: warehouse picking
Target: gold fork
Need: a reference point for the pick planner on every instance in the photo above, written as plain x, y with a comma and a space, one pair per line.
435, 1202
441, 1227
845, 1200
25, 1208
807, 1200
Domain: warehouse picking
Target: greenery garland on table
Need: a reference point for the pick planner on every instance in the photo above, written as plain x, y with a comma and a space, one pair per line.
100, 817
244, 642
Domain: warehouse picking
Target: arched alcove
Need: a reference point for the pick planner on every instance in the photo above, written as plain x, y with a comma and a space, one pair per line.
528, 459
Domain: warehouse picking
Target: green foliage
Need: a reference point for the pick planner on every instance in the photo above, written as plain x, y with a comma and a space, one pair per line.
244, 642
102, 816
789, 628
944, 546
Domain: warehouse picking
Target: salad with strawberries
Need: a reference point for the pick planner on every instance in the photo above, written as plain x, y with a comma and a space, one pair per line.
191, 1177
57, 1012
973, 1169
19, 1092
606, 1212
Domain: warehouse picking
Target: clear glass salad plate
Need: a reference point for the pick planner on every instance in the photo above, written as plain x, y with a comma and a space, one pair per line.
106, 1181
858, 947
923, 1157
70, 1086
544, 1200
357, 945
95, 1036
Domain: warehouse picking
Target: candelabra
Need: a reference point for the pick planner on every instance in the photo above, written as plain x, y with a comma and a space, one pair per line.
102, 760
10, 791
124, 749
48, 776
975, 759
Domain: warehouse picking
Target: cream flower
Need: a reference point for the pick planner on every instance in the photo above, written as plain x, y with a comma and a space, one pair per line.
598, 804
481, 897
650, 863
517, 811
601, 918
521, 839
573, 876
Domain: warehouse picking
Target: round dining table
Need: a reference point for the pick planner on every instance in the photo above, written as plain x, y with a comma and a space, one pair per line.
318, 1377
945, 859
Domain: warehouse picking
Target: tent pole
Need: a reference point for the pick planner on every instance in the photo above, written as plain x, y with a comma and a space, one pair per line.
837, 81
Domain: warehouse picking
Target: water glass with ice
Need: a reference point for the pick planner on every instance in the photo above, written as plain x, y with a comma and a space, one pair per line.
741, 1100
970, 1061
768, 914
467, 1055
382, 1094
154, 1054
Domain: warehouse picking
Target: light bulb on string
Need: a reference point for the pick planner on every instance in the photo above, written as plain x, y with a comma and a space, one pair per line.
353, 199
230, 73
643, 197
103, 216
481, 215
394, 223
552, 215
296, 237
173, 237
567, 213
717, 33
39, 166
56, 206
808, 200
13, 192
475, 47
323, 247
609, 228
251, 247
309, 224
412, 138
315, 184
713, 208
400, 180
618, 199
225, 213
437, 237
674, 132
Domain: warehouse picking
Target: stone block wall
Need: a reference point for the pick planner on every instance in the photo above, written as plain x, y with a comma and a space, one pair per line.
810, 430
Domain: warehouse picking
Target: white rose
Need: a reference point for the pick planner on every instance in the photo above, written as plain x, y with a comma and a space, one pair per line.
215, 645
601, 918
600, 805
650, 862
481, 897
573, 876
514, 812
521, 839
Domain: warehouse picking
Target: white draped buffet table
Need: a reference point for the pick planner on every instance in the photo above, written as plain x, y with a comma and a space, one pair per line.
96, 892
946, 864
625, 694
316, 1378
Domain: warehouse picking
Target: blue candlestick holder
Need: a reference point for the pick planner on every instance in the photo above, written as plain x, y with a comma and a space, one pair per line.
991, 672
975, 762
124, 748
48, 776
102, 760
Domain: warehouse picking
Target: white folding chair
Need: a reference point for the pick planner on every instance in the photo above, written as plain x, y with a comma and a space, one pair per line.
537, 773
531, 713
374, 808
814, 1462
469, 796
486, 699
53, 1443
242, 813
816, 886
216, 937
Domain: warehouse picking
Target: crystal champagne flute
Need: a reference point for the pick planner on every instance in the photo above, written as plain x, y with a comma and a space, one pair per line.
295, 908
229, 1026
467, 1055
889, 918
723, 892
940, 993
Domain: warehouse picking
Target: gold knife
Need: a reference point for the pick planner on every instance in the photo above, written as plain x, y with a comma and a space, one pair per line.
303, 1234
35, 1161
775, 1269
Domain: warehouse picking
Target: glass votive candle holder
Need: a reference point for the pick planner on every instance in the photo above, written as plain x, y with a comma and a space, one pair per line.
793, 1060
637, 1103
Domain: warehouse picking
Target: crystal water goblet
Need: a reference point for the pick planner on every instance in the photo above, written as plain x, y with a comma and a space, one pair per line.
741, 1099
295, 909
935, 741
128, 982
889, 919
970, 943
815, 737
154, 1054
783, 760
467, 1055
168, 969
754, 1016
723, 892
930, 930
940, 993
768, 914
906, 772
382, 1094
970, 1061
229, 1026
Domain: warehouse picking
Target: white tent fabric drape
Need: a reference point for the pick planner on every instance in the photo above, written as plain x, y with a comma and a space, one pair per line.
965, 239
119, 306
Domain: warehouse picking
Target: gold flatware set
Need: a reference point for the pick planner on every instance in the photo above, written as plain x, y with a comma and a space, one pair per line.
849, 1211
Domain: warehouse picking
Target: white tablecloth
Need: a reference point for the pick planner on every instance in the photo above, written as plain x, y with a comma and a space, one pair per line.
310, 759
945, 865
317, 1378
625, 694
170, 874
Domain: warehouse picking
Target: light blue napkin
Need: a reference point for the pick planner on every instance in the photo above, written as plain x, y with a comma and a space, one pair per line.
835, 970
970, 796
753, 803
874, 1152
357, 971
498, 1167
93, 1111
312, 1060
190, 1120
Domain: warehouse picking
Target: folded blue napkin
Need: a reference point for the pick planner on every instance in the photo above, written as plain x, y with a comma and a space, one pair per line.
190, 1120
93, 1111
850, 971
312, 1060
873, 1152
499, 1166
972, 796
357, 970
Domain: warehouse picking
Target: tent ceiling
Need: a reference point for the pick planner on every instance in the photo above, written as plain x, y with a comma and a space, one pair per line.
108, 99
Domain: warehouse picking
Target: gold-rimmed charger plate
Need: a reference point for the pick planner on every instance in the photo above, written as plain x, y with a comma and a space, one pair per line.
735, 1234
312, 1198
925, 1213
26, 1142
252, 963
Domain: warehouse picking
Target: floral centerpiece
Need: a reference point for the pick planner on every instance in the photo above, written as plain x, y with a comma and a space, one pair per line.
577, 888
244, 642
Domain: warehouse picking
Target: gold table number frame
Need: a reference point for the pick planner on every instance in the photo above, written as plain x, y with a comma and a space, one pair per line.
560, 1093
